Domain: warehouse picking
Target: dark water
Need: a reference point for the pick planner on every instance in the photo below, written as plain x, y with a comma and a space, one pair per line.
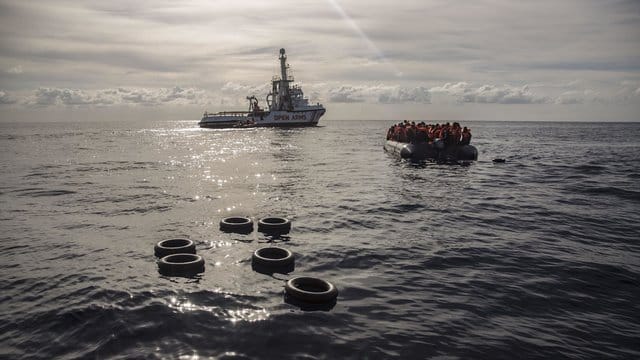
538, 257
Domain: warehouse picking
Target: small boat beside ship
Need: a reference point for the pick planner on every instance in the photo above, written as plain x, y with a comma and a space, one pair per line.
286, 106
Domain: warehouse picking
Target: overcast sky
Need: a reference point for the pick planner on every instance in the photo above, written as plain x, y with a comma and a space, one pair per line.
363, 59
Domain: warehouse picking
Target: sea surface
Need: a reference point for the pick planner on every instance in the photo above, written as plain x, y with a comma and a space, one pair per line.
535, 258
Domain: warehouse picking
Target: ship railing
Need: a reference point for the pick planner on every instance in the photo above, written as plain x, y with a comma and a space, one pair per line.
227, 113
277, 78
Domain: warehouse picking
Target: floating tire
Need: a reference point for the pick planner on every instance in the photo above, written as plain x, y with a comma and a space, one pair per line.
499, 161
237, 224
273, 258
181, 265
174, 246
311, 290
274, 225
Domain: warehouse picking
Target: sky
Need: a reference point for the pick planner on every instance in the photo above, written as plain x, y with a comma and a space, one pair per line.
562, 60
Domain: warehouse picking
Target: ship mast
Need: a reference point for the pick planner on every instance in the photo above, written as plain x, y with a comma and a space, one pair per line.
280, 93
284, 85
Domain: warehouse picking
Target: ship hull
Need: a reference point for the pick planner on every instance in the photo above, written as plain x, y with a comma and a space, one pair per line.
213, 124
296, 118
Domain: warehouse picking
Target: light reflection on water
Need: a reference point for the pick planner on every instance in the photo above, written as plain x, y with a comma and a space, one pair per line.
246, 314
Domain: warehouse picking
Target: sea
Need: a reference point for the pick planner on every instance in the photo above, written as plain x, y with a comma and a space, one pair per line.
534, 258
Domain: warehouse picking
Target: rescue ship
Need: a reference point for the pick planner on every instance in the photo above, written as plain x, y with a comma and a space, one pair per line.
286, 106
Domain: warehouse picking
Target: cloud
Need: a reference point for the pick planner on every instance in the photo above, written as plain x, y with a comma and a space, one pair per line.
15, 70
346, 94
55, 96
244, 90
6, 99
379, 94
570, 97
232, 94
120, 96
578, 97
490, 94
401, 95
175, 95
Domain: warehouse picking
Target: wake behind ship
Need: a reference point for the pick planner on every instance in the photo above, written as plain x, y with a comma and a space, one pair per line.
286, 106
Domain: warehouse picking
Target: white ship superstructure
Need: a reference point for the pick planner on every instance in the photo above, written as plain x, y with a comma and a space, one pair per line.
286, 106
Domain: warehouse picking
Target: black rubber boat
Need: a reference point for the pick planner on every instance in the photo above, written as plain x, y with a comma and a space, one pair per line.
435, 151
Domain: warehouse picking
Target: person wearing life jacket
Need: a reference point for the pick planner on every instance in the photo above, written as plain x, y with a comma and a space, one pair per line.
421, 133
455, 134
466, 136
402, 133
411, 132
396, 132
444, 134
430, 134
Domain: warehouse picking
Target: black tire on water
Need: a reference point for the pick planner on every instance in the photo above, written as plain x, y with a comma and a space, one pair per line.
174, 246
181, 265
312, 290
273, 257
274, 225
239, 224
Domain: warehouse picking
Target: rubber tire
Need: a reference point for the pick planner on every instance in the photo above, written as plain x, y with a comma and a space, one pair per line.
231, 224
174, 246
312, 290
181, 265
274, 225
273, 257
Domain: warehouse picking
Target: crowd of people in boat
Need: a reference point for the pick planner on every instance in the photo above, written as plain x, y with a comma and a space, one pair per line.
410, 132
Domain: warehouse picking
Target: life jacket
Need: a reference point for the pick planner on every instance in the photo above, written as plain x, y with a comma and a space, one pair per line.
466, 138
411, 134
444, 133
402, 134
455, 136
